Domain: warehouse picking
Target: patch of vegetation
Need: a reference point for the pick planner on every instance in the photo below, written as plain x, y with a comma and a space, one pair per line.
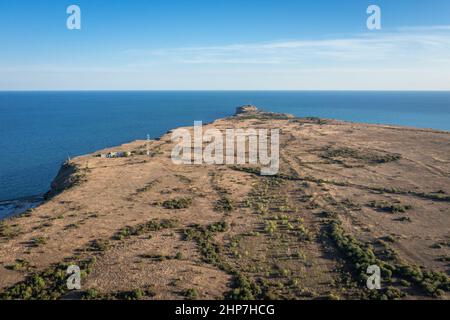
389, 207
433, 283
184, 179
43, 225
389, 238
270, 226
329, 215
161, 257
20, 265
257, 171
177, 204
71, 226
147, 186
203, 236
37, 241
369, 156
252, 170
50, 284
137, 294
443, 258
438, 196
388, 293
178, 256
244, 289
224, 204
262, 197
140, 229
263, 116
385, 252
99, 245
351, 205
8, 231
403, 219
220, 226
314, 120
360, 256
191, 294
303, 233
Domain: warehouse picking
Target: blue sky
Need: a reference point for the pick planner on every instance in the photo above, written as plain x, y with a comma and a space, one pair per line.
225, 44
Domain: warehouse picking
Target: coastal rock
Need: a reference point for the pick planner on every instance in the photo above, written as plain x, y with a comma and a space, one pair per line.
246, 109
68, 175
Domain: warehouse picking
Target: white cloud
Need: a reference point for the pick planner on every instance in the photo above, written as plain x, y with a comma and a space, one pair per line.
409, 58
405, 45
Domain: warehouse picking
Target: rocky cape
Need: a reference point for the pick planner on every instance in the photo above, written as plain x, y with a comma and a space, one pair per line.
348, 195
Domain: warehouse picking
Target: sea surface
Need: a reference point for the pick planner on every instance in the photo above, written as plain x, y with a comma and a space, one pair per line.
39, 130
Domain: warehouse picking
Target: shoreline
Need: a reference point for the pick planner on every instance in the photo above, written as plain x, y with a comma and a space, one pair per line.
15, 207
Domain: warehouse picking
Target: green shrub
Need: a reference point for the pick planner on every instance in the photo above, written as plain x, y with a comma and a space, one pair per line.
49, 284
431, 282
243, 289
178, 256
224, 204
387, 207
191, 294
19, 265
8, 231
99, 245
37, 241
140, 229
270, 227
221, 226
177, 204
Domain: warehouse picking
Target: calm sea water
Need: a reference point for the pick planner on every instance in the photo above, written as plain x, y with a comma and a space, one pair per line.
39, 130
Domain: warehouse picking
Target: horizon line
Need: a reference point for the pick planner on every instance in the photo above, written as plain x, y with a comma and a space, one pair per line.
225, 90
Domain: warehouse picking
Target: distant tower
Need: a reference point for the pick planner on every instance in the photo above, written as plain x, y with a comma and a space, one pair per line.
148, 147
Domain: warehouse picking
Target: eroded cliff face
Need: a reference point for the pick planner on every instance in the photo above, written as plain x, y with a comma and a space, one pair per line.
68, 176
347, 195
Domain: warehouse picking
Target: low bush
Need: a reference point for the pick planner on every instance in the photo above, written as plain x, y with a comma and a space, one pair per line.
191, 294
47, 285
7, 231
177, 204
140, 229
388, 207
37, 241
224, 204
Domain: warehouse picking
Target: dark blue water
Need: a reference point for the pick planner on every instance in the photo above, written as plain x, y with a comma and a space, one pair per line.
40, 130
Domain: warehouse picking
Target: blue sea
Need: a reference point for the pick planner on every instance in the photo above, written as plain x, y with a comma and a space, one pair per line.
39, 130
